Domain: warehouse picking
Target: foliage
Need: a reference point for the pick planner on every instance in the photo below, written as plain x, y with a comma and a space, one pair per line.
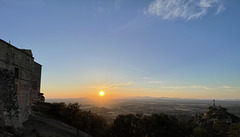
163, 125
140, 125
234, 130
128, 126
201, 132
216, 122
84, 120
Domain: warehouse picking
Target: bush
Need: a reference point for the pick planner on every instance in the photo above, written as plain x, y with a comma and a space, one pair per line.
86, 121
234, 130
214, 124
141, 126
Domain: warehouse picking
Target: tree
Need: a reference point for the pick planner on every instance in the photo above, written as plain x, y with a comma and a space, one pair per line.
125, 126
234, 130
162, 125
73, 115
146, 126
201, 132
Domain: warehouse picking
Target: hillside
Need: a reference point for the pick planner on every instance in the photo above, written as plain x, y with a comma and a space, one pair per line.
38, 126
216, 121
45, 127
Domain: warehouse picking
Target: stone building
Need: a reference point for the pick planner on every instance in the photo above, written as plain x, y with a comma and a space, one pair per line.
20, 79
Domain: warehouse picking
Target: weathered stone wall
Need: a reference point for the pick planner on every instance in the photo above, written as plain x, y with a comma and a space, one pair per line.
2, 121
21, 63
36, 82
9, 103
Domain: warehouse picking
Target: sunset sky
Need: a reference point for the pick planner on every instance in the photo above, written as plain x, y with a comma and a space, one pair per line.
129, 48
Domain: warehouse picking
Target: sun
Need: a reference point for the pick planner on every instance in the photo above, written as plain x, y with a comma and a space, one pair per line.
101, 93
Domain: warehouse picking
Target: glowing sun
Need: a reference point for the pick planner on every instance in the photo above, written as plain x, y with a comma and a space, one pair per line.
101, 93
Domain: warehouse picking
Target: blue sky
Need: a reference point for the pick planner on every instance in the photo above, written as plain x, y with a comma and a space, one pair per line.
159, 48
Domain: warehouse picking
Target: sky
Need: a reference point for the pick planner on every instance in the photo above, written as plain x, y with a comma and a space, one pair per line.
130, 48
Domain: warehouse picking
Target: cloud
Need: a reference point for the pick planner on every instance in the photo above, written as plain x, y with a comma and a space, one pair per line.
101, 10
220, 9
200, 87
109, 86
188, 87
154, 82
139, 89
186, 9
144, 78
227, 87
118, 5
123, 84
230, 87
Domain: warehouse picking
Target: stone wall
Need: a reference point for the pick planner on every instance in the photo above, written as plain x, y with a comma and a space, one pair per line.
9, 108
21, 64
26, 73
2, 121
36, 82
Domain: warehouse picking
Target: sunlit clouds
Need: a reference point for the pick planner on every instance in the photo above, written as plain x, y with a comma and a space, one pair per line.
186, 9
123, 84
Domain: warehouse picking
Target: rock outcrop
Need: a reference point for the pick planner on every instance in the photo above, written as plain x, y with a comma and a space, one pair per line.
217, 114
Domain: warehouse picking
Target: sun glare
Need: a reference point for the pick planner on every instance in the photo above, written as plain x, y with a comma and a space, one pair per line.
101, 93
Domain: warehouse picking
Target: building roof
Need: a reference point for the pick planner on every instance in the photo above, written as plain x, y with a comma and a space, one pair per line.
25, 51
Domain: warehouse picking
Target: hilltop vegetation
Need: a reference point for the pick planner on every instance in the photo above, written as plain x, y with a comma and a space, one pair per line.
215, 122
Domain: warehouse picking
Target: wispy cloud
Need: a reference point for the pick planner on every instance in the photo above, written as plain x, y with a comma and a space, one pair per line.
230, 87
153, 82
118, 4
109, 86
200, 87
186, 9
220, 9
139, 89
227, 87
101, 10
123, 84
144, 78
188, 87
